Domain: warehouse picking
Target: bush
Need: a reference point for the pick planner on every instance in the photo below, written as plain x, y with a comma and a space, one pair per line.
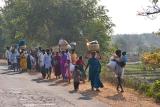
157, 97
156, 86
144, 88
149, 92
151, 60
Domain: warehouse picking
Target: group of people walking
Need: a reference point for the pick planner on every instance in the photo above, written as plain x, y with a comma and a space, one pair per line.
19, 60
65, 65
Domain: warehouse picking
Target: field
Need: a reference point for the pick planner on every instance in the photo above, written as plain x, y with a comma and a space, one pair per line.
137, 71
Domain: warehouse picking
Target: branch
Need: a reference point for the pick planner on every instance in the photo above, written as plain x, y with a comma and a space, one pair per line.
151, 10
150, 13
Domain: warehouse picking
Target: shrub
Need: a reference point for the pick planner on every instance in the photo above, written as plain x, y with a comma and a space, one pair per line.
149, 92
151, 60
156, 86
144, 88
157, 97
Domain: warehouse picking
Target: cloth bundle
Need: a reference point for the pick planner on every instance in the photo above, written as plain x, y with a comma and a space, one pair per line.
64, 45
93, 46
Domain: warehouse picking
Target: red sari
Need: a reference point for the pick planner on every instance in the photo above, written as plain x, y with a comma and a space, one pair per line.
57, 65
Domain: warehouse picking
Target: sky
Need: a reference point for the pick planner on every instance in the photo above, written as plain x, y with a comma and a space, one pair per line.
124, 15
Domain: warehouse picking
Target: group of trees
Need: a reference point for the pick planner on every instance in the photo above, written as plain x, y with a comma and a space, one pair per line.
136, 43
44, 22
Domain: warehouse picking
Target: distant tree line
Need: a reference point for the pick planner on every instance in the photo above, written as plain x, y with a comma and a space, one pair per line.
136, 43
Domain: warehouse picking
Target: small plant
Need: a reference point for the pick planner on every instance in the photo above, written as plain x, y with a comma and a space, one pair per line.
149, 92
157, 97
156, 86
144, 88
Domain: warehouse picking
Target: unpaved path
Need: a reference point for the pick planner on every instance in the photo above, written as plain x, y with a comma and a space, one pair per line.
23, 90
28, 90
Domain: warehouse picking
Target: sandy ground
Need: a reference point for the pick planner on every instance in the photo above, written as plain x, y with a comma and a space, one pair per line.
29, 90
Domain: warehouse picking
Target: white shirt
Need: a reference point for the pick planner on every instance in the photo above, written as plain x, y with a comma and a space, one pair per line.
47, 61
41, 59
7, 54
13, 58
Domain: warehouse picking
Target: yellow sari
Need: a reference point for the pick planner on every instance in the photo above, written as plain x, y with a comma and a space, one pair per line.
23, 61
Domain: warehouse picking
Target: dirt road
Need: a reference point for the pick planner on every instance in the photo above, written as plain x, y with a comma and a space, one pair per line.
28, 90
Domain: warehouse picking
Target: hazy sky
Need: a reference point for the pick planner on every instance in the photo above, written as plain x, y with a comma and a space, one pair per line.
124, 16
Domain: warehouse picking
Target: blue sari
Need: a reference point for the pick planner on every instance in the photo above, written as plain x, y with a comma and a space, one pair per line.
94, 71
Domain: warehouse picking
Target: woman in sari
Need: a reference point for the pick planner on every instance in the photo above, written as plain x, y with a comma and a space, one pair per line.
57, 65
23, 61
63, 64
94, 71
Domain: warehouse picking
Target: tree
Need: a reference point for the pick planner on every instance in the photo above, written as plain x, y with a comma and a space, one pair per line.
44, 22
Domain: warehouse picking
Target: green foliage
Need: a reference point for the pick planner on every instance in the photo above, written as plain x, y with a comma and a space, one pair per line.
157, 97
156, 86
144, 88
46, 21
149, 92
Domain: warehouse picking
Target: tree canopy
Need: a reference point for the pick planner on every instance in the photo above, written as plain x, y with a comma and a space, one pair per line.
44, 22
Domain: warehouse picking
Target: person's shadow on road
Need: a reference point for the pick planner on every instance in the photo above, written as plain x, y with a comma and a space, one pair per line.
11, 72
59, 82
41, 80
88, 94
117, 97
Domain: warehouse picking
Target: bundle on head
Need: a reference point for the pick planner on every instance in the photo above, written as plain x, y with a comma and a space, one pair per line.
64, 45
23, 47
93, 46
55, 48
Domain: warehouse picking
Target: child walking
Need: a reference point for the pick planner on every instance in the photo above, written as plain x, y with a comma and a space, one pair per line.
76, 78
80, 63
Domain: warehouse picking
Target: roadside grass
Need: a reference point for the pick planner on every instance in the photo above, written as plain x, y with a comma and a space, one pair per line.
136, 77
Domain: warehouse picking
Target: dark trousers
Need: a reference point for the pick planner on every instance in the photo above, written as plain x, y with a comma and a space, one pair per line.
9, 63
119, 83
48, 71
14, 65
76, 85
42, 69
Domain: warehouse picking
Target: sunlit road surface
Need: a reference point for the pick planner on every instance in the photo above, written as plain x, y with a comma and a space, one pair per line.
24, 90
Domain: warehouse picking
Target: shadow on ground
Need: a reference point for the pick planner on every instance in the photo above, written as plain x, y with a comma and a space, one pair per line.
4, 69
117, 97
88, 94
41, 80
59, 82
10, 72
